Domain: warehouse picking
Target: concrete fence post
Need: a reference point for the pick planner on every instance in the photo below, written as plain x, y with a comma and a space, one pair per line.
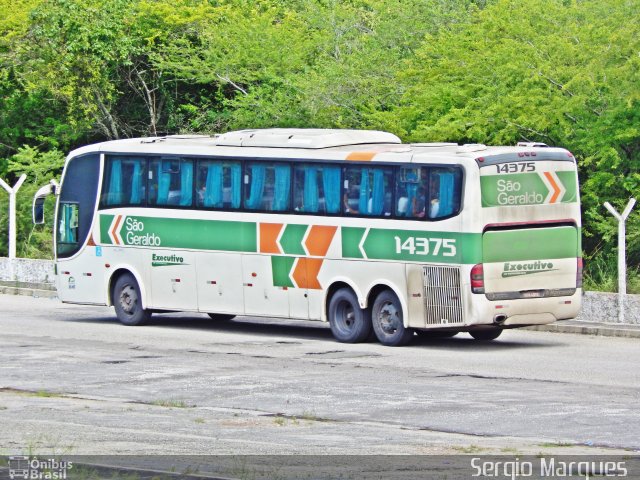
12, 219
622, 258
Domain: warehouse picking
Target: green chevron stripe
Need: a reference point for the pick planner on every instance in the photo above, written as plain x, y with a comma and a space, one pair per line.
291, 239
105, 223
281, 267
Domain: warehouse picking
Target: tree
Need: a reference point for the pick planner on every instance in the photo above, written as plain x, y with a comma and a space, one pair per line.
563, 73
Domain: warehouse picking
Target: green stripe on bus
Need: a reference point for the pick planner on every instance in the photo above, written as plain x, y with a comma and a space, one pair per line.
351, 237
291, 239
281, 266
569, 182
533, 244
105, 223
184, 233
412, 245
513, 189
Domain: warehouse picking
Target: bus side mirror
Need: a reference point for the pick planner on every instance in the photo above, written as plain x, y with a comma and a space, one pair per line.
38, 201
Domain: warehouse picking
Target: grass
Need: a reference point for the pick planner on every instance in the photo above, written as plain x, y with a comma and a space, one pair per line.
172, 404
601, 275
556, 444
469, 449
47, 394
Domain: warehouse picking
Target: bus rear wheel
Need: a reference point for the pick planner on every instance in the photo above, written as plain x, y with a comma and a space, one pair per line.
127, 301
486, 335
349, 323
387, 319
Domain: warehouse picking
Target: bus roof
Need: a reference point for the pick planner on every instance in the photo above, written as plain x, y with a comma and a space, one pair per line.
319, 144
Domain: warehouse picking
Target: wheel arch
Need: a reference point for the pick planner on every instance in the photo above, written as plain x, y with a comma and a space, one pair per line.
365, 300
378, 287
118, 271
332, 289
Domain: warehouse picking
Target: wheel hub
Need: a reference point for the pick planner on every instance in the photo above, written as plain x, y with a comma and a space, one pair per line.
389, 318
128, 299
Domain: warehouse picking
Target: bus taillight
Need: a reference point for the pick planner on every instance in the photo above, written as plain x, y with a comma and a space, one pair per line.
477, 279
579, 272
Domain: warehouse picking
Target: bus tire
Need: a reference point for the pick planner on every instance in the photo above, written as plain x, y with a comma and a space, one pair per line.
127, 301
388, 322
486, 335
220, 317
349, 323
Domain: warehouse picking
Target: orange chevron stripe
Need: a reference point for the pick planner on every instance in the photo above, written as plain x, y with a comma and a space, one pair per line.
305, 273
556, 188
268, 237
361, 156
91, 242
319, 239
115, 229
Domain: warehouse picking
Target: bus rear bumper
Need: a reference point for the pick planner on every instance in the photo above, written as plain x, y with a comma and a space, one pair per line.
534, 311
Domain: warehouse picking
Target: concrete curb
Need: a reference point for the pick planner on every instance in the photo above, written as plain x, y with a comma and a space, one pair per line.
30, 292
590, 328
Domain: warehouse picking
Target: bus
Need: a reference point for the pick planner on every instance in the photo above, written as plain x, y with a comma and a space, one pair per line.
381, 239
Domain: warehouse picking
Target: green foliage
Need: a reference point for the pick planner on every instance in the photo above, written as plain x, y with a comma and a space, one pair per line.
32, 241
562, 72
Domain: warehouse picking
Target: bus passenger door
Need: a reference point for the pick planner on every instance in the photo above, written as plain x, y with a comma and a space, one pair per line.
261, 296
220, 283
173, 280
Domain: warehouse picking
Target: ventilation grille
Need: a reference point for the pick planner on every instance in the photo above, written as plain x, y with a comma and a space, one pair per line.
442, 296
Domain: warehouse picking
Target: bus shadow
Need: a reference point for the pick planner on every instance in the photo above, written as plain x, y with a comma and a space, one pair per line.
313, 330
465, 341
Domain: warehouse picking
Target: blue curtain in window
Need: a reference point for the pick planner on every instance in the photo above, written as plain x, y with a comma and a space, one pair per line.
412, 191
164, 183
377, 199
254, 201
72, 224
136, 184
236, 185
212, 196
282, 188
114, 194
186, 183
310, 192
331, 186
365, 192
446, 194
69, 220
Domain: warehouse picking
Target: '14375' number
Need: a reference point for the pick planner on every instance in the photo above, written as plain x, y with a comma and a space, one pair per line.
425, 246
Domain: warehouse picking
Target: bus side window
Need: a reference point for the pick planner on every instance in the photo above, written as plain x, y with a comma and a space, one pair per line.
171, 182
444, 192
219, 184
317, 189
125, 181
267, 187
367, 191
67, 231
410, 192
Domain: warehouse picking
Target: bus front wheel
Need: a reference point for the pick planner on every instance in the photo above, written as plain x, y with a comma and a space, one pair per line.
128, 303
349, 323
388, 321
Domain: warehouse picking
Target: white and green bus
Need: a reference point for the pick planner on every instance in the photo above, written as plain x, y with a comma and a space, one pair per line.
350, 227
